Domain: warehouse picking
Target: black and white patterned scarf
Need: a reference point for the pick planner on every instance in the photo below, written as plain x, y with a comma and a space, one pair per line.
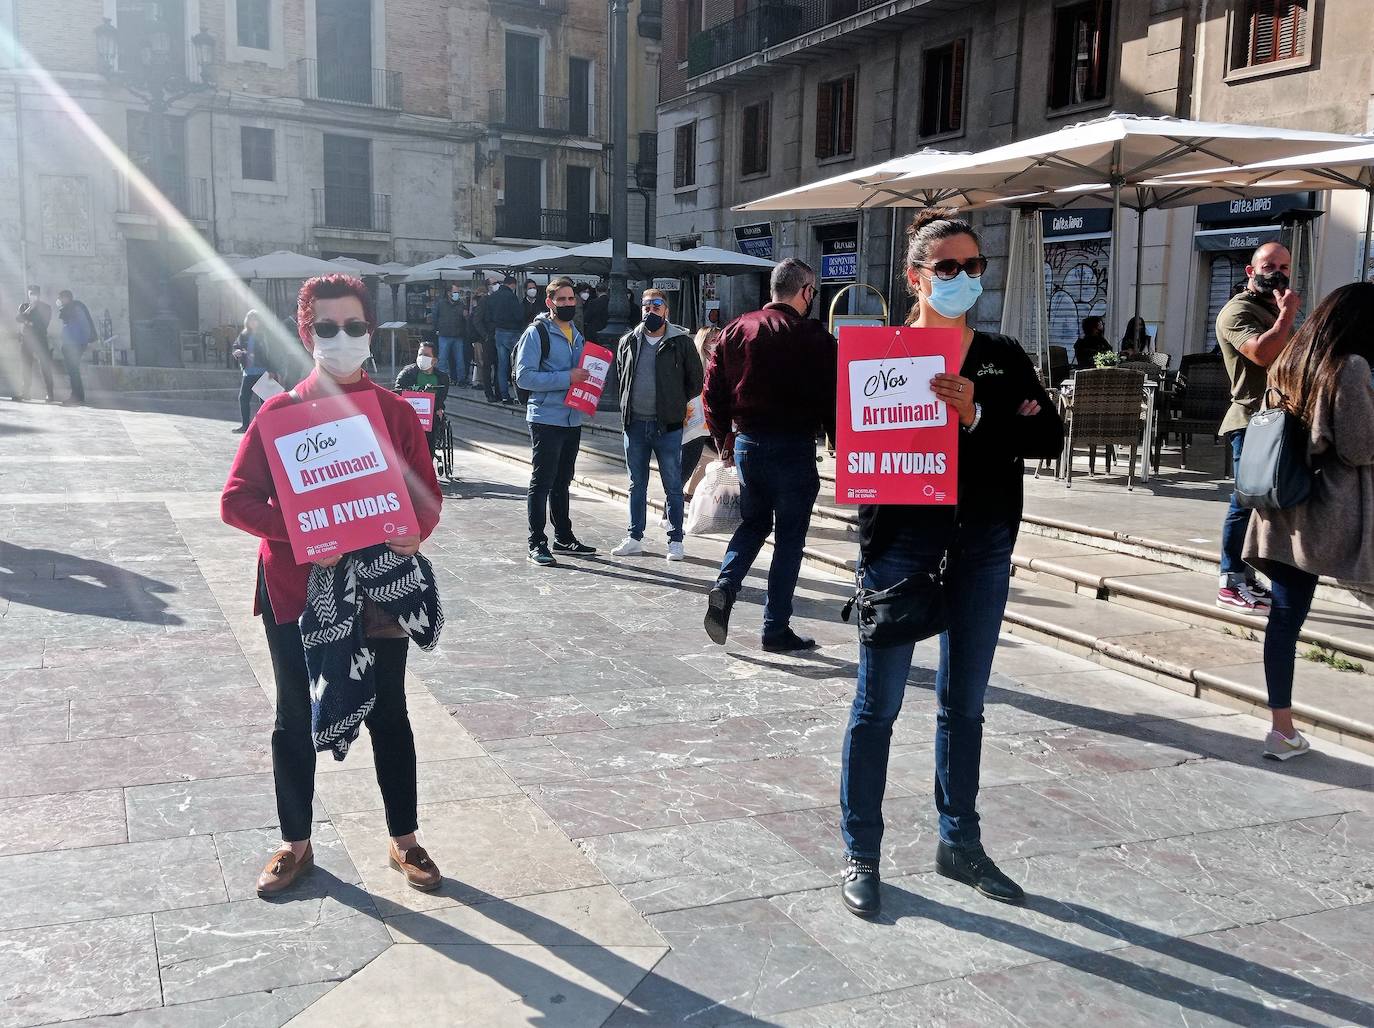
337, 655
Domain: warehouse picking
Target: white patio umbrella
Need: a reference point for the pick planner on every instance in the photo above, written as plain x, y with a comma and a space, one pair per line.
1346, 168
434, 271
212, 264
279, 264
714, 260
595, 259
1118, 159
358, 267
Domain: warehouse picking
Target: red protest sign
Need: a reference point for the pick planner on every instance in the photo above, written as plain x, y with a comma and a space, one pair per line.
895, 441
596, 362
340, 483
423, 403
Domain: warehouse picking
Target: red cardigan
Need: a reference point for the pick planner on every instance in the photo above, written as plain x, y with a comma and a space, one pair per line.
249, 498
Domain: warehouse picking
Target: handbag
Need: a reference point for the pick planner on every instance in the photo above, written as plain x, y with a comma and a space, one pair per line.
715, 508
1273, 473
912, 610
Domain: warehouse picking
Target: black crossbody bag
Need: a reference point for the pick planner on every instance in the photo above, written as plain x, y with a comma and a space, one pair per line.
907, 612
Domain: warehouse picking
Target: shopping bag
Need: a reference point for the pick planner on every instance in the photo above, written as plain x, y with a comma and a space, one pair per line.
694, 425
715, 506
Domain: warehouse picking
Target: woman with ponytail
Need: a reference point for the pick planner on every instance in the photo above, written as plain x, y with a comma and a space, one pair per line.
1004, 416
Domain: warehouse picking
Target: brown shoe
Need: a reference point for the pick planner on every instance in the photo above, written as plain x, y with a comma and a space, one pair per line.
283, 869
421, 872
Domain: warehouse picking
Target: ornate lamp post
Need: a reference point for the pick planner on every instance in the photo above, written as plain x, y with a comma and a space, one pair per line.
618, 322
153, 77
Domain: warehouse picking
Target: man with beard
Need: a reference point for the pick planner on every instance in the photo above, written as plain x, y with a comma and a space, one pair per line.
1252, 330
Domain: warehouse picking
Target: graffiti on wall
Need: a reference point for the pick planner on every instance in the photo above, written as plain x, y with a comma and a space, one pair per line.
1075, 285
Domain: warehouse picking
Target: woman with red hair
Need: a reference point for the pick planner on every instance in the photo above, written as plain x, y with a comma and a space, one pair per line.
335, 323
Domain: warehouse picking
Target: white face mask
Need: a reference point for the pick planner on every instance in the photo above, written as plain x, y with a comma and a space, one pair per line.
424, 362
342, 355
455, 297
495, 286
531, 293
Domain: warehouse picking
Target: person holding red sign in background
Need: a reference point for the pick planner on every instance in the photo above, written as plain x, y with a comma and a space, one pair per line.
424, 377
335, 322
1004, 416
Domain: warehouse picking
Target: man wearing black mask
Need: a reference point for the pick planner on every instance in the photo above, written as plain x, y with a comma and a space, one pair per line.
548, 364
660, 371
1252, 330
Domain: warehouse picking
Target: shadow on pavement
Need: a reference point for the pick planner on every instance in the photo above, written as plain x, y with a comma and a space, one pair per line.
90, 587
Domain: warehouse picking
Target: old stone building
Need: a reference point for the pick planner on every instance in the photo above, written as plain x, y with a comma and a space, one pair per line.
760, 98
379, 129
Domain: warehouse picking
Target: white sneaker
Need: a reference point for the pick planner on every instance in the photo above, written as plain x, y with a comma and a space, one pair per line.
1278, 747
663, 523
629, 547
676, 552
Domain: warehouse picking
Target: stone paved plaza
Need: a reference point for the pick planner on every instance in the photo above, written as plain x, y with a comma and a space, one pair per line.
636, 827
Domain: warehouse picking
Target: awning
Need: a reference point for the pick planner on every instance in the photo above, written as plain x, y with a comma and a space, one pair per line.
1214, 239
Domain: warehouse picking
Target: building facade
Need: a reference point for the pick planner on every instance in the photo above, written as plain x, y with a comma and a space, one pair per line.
758, 98
378, 129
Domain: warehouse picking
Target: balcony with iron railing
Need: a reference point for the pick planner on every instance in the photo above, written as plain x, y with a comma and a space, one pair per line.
354, 210
558, 8
528, 112
342, 84
522, 222
774, 22
650, 22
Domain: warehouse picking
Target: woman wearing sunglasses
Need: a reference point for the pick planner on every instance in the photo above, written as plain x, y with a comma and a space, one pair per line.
335, 323
1004, 416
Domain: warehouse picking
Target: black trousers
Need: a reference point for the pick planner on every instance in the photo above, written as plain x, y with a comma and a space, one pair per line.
36, 358
487, 360
293, 750
555, 459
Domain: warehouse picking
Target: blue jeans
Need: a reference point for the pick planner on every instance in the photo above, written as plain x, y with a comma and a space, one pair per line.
505, 348
976, 583
1290, 602
642, 438
1233, 528
453, 359
777, 480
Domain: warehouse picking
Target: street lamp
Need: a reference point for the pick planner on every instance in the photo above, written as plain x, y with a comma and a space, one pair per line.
155, 79
618, 313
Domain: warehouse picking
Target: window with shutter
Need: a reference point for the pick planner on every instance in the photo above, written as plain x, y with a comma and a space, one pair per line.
684, 156
824, 121
754, 139
1269, 31
942, 90
845, 142
835, 118
1081, 53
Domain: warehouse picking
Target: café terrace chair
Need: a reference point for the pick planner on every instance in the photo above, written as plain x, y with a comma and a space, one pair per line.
1106, 410
1160, 360
1204, 396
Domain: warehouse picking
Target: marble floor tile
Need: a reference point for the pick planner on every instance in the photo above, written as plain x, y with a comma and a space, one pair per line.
157, 712
437, 781
655, 799
1266, 872
249, 1010
57, 973
733, 960
108, 881
243, 854
62, 820
1074, 751
949, 1004
1344, 929
487, 986
501, 846
39, 721
248, 946
695, 865
763, 695
593, 916
201, 807
523, 718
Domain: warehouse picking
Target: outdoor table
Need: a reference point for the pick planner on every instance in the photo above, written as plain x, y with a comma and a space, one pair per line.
1063, 400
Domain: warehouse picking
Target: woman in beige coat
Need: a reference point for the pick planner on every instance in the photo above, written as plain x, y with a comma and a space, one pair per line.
1323, 377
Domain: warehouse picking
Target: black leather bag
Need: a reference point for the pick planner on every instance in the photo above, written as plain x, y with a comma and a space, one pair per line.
1273, 473
911, 610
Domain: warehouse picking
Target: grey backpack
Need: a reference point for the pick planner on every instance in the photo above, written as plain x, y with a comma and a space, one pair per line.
1273, 473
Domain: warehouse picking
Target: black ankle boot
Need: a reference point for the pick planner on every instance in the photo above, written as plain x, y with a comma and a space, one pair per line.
970, 865
860, 887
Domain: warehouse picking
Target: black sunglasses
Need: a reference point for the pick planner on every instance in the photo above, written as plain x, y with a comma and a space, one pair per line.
949, 268
329, 329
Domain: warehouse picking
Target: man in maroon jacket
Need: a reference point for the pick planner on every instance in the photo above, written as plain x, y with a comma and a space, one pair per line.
770, 390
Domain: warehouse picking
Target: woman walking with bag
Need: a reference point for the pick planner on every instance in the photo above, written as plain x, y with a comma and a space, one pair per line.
1004, 416
1323, 379
335, 324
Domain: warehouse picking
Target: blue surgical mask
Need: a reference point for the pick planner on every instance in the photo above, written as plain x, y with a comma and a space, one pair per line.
952, 297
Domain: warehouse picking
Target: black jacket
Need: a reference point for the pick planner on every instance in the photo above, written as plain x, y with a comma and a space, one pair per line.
449, 318
677, 374
595, 316
35, 317
991, 456
411, 373
504, 311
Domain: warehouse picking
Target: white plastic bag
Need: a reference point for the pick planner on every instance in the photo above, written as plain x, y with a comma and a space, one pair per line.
715, 505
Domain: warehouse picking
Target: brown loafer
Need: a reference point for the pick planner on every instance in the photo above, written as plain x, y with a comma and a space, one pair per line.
283, 869
421, 872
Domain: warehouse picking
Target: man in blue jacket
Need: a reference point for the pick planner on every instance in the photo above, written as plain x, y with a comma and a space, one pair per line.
546, 361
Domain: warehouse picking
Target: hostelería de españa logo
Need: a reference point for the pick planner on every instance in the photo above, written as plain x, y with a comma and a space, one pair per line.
325, 455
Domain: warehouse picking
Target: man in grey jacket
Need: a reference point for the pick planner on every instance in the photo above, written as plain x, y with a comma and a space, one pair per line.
660, 371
